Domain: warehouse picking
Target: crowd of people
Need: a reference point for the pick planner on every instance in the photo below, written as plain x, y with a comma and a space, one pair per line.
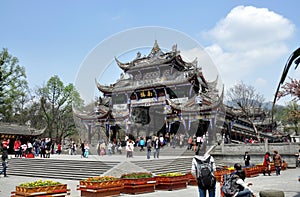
42, 147
150, 144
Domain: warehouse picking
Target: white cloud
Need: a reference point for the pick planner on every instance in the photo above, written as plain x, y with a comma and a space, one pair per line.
260, 82
248, 27
247, 41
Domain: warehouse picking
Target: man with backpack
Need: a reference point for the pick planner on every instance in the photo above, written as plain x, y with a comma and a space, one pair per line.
203, 168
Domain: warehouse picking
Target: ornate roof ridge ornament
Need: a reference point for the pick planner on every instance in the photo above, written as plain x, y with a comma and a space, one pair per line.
156, 57
155, 51
192, 106
101, 114
104, 88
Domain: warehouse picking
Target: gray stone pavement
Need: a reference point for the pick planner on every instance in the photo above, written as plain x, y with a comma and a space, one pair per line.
286, 182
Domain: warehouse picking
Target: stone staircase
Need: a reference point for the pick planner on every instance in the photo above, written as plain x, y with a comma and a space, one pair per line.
166, 151
157, 166
60, 169
70, 168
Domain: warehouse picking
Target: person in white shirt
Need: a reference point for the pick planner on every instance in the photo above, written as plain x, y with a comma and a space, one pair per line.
29, 147
210, 160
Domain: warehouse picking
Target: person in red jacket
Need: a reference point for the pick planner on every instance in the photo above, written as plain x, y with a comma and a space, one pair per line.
5, 144
58, 148
267, 161
17, 146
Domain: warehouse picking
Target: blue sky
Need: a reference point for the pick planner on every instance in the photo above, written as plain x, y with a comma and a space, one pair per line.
247, 40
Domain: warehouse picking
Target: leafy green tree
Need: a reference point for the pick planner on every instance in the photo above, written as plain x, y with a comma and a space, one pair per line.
13, 86
292, 112
56, 106
280, 114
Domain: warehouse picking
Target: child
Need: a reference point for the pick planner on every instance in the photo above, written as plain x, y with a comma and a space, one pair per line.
86, 151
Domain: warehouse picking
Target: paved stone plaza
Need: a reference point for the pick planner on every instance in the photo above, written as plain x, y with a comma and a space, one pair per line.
287, 181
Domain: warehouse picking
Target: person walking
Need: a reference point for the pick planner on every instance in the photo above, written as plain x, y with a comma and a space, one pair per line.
58, 149
129, 148
102, 148
17, 146
198, 165
29, 147
156, 146
190, 143
36, 147
142, 143
82, 145
4, 159
298, 161
149, 147
277, 159
5, 145
247, 159
42, 148
109, 148
86, 150
267, 161
119, 146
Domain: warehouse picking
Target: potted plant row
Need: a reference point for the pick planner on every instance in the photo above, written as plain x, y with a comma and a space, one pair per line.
137, 183
41, 188
100, 186
171, 181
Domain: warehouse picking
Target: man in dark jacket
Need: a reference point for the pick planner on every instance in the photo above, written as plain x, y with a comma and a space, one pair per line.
247, 159
4, 158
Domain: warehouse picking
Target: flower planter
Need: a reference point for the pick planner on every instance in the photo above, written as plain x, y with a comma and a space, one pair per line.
251, 171
54, 190
284, 165
171, 182
260, 168
219, 174
101, 192
100, 186
138, 183
191, 180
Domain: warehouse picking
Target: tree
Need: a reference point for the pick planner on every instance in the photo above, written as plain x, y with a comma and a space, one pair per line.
292, 112
290, 88
246, 98
294, 58
293, 115
13, 86
56, 105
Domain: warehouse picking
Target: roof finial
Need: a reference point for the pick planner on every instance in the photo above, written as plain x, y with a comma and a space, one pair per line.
155, 50
156, 45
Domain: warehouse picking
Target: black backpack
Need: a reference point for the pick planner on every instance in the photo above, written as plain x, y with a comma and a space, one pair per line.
230, 187
205, 175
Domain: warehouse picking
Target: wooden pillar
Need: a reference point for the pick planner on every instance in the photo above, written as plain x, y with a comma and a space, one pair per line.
89, 133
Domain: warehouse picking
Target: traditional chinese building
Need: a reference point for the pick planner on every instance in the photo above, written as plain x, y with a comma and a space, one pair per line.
159, 94
14, 131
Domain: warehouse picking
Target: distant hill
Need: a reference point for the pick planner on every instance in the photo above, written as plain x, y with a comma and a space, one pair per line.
266, 105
